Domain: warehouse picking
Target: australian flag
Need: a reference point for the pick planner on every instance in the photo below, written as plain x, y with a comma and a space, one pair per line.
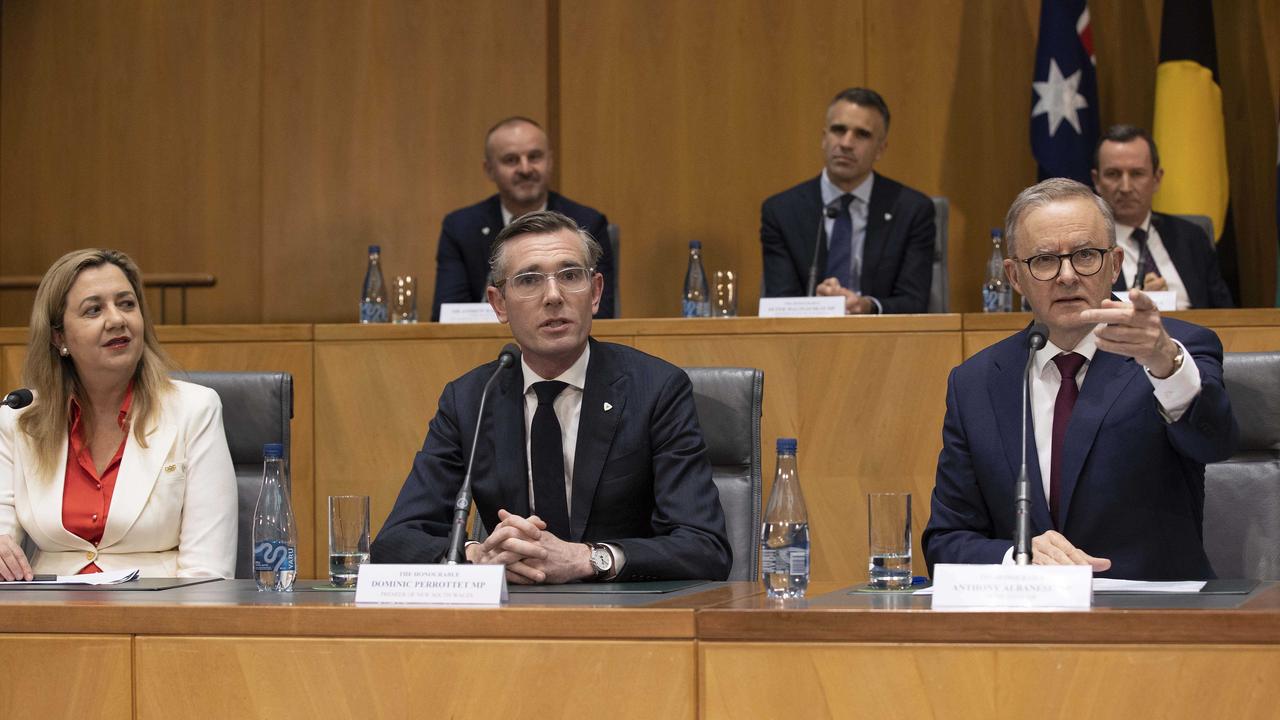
1064, 92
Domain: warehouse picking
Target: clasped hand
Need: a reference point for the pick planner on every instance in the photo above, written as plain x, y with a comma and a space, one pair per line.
1133, 329
854, 304
530, 553
1052, 548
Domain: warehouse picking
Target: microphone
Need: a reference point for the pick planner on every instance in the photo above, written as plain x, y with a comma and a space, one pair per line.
1036, 339
462, 504
829, 211
18, 399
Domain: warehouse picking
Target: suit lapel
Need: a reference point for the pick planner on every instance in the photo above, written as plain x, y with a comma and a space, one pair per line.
1106, 379
510, 461
879, 216
810, 229
1183, 258
1005, 385
139, 469
604, 400
46, 494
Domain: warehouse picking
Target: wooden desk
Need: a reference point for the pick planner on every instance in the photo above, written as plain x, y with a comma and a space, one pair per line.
848, 655
223, 650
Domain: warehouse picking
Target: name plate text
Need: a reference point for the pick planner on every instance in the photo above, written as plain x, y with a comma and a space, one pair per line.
1012, 587
432, 584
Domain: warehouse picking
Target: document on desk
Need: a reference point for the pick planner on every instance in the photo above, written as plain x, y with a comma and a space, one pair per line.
1112, 585
114, 577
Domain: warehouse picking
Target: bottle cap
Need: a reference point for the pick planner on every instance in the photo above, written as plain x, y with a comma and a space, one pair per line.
375, 249
786, 446
272, 451
997, 232
695, 244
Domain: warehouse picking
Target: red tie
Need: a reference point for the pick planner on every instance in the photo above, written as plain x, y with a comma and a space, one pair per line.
1068, 364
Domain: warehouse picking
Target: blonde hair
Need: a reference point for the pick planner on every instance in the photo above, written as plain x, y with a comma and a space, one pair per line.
54, 378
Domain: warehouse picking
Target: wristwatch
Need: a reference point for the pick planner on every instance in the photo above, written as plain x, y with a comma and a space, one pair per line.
1178, 359
601, 560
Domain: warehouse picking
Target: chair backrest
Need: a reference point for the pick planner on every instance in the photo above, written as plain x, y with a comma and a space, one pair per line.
256, 409
729, 403
614, 238
1242, 494
1204, 222
939, 291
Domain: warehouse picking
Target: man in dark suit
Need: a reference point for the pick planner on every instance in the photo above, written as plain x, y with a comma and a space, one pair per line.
1161, 252
517, 158
875, 245
589, 463
1125, 410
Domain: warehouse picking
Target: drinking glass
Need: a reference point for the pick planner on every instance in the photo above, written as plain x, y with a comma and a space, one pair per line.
724, 294
889, 540
348, 538
404, 301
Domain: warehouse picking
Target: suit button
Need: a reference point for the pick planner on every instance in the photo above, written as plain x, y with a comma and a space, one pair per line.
90, 555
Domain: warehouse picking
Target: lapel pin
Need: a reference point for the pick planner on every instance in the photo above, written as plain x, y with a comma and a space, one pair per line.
608, 407
170, 468
888, 217
484, 230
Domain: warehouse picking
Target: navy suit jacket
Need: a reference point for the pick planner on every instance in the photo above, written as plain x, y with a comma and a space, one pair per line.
1132, 484
462, 255
897, 256
641, 478
1194, 256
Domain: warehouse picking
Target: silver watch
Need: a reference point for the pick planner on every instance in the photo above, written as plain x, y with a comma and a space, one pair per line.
601, 559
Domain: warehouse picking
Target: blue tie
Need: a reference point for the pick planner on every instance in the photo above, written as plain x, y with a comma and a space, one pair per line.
840, 251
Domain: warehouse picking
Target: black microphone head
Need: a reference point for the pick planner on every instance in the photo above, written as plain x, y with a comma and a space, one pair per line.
832, 210
18, 399
1038, 335
509, 355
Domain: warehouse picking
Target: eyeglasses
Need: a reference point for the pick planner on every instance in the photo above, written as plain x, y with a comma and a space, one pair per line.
1085, 261
529, 285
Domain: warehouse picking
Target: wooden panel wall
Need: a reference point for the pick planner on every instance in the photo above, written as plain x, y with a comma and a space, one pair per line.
269, 143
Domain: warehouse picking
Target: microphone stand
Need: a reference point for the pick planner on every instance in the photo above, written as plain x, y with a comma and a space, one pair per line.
828, 211
1022, 490
462, 503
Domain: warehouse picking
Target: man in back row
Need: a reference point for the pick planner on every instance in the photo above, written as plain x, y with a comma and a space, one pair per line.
589, 462
1161, 252
517, 158
1126, 408
875, 245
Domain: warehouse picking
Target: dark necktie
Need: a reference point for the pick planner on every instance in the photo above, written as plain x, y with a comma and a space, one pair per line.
1068, 364
546, 454
840, 251
1146, 263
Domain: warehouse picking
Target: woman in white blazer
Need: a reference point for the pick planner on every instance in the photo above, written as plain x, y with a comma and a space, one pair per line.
113, 465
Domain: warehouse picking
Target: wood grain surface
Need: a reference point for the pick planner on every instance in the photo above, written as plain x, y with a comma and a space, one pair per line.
64, 676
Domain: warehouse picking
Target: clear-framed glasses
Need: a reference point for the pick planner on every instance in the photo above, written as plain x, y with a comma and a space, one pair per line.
1085, 261
529, 285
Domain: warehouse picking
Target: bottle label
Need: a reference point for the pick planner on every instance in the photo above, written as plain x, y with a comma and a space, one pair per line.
373, 312
792, 561
697, 308
273, 556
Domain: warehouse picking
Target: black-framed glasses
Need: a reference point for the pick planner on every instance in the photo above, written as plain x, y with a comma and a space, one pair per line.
1085, 262
529, 285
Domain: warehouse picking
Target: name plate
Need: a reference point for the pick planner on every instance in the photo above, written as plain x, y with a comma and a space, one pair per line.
1012, 587
796, 307
1165, 300
456, 313
432, 584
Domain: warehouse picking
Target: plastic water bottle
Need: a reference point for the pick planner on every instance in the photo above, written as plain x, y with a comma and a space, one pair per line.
275, 537
784, 539
997, 295
373, 298
697, 296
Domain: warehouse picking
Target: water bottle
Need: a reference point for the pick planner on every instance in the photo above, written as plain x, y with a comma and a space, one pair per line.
784, 539
373, 299
997, 295
275, 538
697, 296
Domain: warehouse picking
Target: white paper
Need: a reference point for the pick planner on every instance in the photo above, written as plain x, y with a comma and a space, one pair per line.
115, 577
794, 307
432, 584
456, 313
1165, 300
1147, 586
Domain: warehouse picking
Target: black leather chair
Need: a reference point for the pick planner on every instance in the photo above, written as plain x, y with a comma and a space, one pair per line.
1242, 494
256, 409
729, 402
940, 289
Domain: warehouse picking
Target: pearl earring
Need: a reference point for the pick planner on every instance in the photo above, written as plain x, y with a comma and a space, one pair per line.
64, 351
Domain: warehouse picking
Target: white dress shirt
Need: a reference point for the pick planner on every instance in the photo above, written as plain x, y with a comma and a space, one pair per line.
1159, 253
568, 408
508, 216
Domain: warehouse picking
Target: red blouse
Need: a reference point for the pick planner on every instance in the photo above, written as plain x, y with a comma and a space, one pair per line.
86, 496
